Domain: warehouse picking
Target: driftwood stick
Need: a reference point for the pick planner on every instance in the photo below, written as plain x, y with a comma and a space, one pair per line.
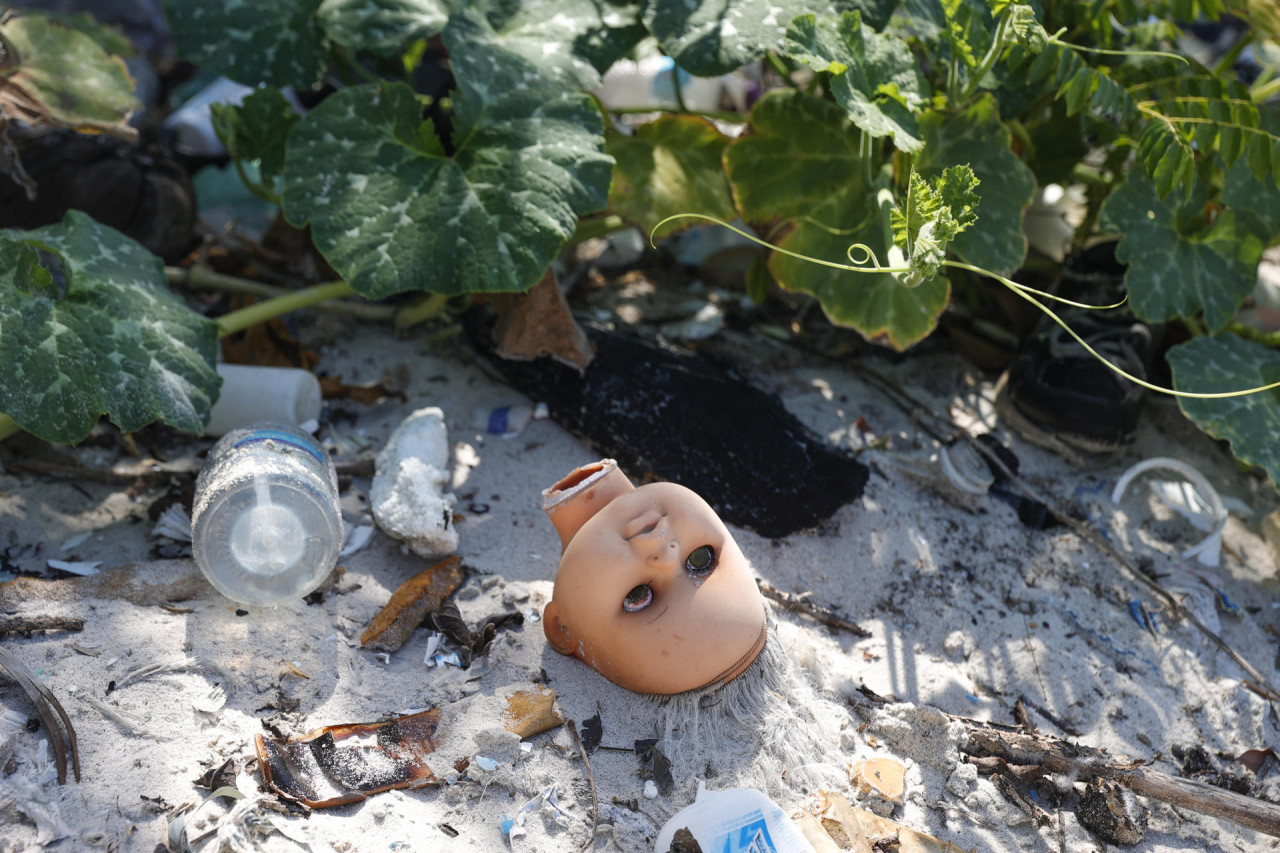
1058, 756
798, 605
28, 625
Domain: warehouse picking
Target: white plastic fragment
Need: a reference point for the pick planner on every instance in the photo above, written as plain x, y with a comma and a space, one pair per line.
1204, 503
486, 764
356, 539
73, 541
650, 790
173, 523
433, 643
84, 569
407, 496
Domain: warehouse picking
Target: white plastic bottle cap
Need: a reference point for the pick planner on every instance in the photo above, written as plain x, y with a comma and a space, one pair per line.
251, 394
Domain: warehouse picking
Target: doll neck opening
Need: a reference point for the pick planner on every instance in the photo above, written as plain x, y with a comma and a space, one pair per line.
581, 494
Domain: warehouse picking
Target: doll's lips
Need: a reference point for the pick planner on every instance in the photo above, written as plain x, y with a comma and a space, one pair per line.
645, 522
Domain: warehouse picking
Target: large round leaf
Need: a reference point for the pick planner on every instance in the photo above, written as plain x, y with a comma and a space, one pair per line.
271, 42
383, 26
709, 37
1171, 274
799, 171
391, 212
874, 77
669, 166
1218, 363
110, 339
52, 74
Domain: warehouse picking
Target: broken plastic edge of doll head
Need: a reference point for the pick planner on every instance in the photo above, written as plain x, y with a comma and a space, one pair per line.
652, 591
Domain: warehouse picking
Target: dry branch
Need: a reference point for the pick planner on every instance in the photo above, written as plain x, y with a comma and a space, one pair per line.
1058, 756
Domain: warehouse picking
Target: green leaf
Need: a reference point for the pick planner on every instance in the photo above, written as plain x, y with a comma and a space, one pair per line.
254, 42
800, 164
62, 77
976, 137
671, 165
381, 26
116, 342
1243, 191
875, 77
934, 214
1173, 275
573, 40
710, 37
257, 129
1227, 363
391, 212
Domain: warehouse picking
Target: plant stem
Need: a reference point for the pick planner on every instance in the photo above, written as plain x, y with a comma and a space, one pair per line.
776, 63
676, 90
252, 315
596, 226
206, 279
1264, 92
719, 115
1249, 333
988, 61
424, 309
8, 427
253, 186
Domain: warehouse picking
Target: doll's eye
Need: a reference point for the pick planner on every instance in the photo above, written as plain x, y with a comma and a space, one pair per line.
700, 561
638, 599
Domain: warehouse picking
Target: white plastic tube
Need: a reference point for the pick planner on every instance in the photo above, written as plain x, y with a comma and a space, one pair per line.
250, 394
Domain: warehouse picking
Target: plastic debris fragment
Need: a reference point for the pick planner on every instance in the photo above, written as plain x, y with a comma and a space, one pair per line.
356, 539
84, 569
346, 763
1202, 507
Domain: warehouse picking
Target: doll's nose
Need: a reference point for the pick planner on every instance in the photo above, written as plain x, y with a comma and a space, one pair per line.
658, 549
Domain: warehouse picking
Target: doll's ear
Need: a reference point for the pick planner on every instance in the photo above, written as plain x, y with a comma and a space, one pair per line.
558, 634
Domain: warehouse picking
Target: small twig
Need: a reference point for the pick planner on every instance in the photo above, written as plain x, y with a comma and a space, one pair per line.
795, 604
27, 625
595, 800
46, 706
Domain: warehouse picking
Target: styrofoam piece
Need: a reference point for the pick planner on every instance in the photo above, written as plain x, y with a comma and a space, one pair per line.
252, 394
407, 496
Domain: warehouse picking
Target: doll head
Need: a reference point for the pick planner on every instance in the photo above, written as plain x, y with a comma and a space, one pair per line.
652, 592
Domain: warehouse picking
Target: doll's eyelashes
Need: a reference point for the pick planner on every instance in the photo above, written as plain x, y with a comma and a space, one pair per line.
701, 561
638, 599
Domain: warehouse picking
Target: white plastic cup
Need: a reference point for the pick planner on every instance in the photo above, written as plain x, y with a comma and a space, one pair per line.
266, 526
250, 394
737, 820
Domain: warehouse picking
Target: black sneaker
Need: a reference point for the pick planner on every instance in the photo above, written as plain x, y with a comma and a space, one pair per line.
1057, 395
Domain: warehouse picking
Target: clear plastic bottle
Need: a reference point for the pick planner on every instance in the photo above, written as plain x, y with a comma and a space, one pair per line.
265, 523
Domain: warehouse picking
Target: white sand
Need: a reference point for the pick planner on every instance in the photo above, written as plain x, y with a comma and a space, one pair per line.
968, 609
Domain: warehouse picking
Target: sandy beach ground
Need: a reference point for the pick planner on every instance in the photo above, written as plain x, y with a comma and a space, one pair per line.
968, 611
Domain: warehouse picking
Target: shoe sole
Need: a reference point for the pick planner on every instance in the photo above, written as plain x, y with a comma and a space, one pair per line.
1080, 451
